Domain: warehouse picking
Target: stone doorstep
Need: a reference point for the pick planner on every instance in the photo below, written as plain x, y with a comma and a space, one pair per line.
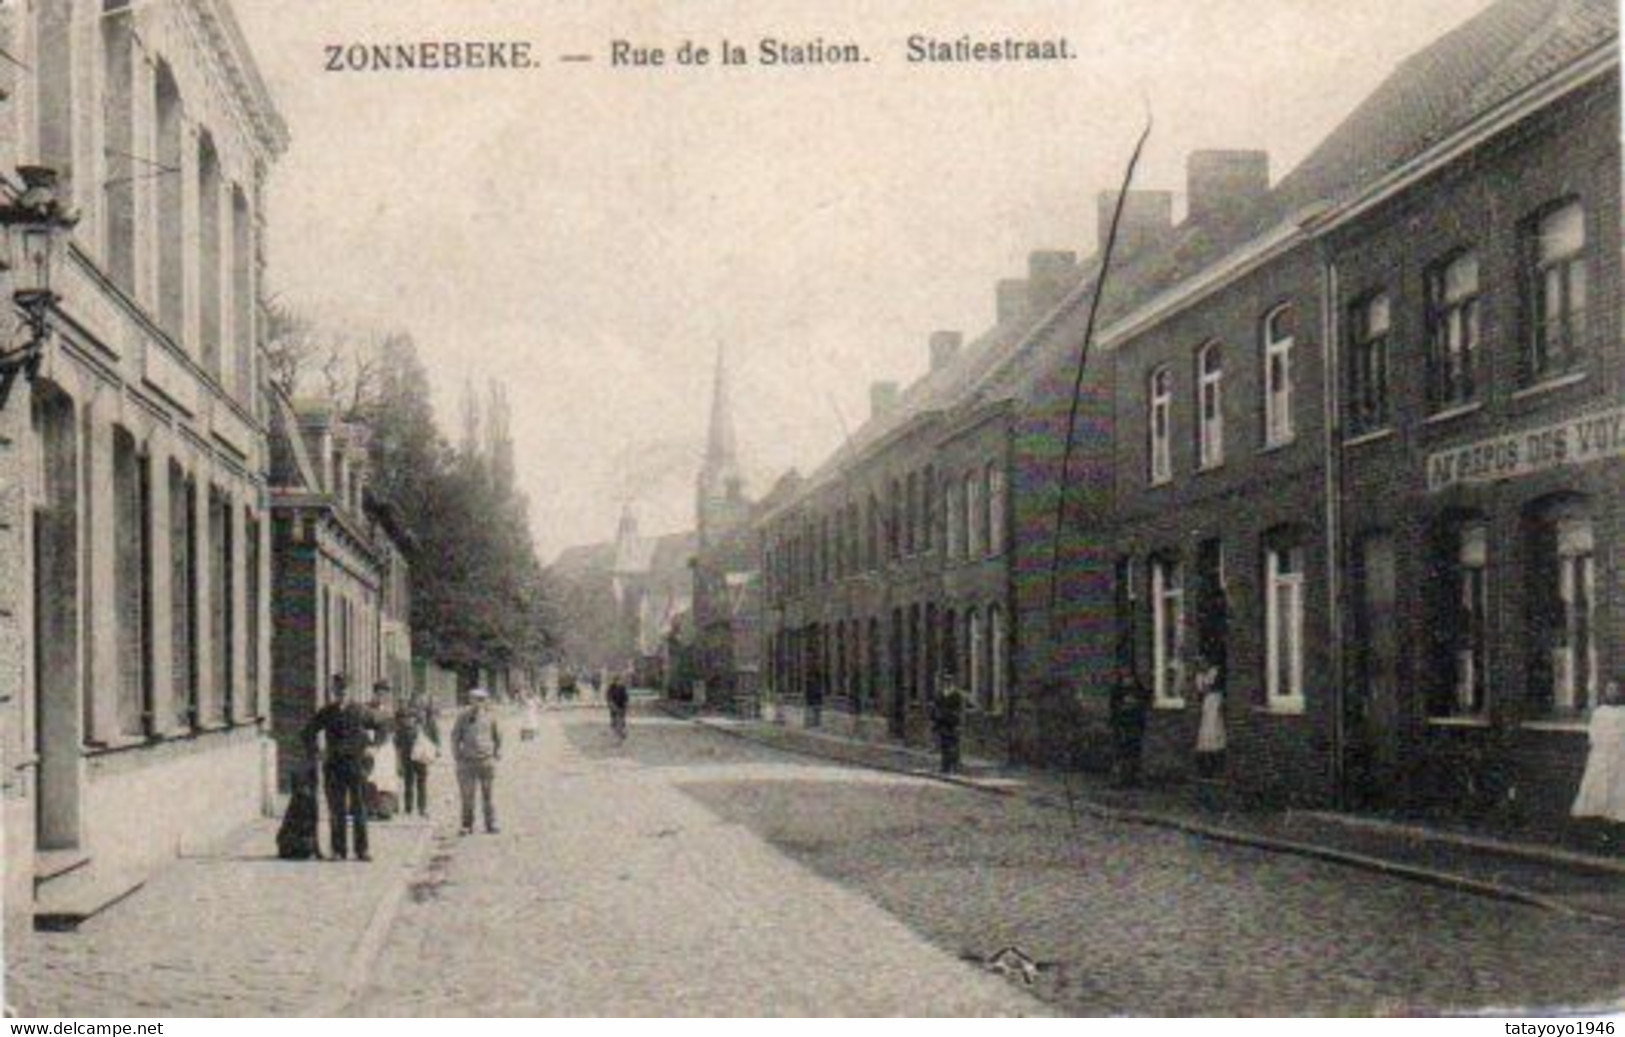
66, 901
51, 864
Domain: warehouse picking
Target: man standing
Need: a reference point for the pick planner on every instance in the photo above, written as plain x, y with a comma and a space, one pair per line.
476, 743
618, 702
349, 730
1130, 708
947, 713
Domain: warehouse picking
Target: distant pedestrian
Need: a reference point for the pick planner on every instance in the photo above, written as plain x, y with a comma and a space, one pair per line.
384, 767
476, 742
947, 716
531, 719
1210, 734
417, 745
348, 731
1130, 709
619, 701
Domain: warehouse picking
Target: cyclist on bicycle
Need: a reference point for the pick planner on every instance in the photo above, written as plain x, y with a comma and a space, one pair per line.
617, 698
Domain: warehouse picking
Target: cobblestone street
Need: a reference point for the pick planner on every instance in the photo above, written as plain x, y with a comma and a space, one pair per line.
690, 872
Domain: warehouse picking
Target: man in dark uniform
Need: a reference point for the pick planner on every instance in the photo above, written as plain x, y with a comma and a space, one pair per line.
947, 713
349, 730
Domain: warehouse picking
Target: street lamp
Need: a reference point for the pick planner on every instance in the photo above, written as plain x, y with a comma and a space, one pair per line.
35, 223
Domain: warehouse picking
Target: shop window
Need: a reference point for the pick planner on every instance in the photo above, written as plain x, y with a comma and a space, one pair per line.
1210, 406
1453, 305
1159, 422
1557, 291
1279, 339
1370, 322
1284, 619
1167, 631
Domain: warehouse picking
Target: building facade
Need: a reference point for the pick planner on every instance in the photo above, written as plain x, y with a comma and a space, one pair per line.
340, 596
134, 488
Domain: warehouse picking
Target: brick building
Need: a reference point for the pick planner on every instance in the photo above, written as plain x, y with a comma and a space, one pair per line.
1375, 399
340, 599
135, 523
887, 570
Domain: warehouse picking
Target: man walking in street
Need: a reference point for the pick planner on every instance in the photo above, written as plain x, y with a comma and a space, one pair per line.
348, 730
618, 702
476, 743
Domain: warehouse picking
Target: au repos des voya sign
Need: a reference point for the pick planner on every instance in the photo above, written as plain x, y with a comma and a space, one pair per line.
1578, 440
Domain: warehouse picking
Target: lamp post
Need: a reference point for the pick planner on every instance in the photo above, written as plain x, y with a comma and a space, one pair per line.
35, 224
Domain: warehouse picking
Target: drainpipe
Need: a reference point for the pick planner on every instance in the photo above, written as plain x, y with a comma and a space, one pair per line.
1333, 474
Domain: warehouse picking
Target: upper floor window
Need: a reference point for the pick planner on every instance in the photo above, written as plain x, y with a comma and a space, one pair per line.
1557, 291
928, 509
1159, 421
975, 531
996, 505
955, 514
1279, 337
1453, 332
911, 513
1210, 406
1370, 322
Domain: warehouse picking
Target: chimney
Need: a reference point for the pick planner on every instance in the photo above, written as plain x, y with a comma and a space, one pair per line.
882, 398
1010, 299
1220, 182
1147, 217
944, 347
1050, 275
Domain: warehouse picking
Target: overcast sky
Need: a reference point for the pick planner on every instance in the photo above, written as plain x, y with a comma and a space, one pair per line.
589, 236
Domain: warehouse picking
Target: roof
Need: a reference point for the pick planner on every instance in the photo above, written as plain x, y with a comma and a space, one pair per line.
1463, 75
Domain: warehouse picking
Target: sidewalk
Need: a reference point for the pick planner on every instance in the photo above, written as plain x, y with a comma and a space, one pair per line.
1517, 869
236, 932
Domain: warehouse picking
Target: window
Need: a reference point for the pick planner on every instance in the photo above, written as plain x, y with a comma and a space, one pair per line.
911, 520
1369, 323
1563, 598
1158, 421
928, 514
133, 583
1168, 631
1283, 580
171, 238
1453, 332
219, 701
242, 295
1209, 406
118, 184
996, 505
894, 528
976, 645
208, 268
1464, 624
1279, 327
955, 518
996, 664
183, 596
975, 531
1556, 284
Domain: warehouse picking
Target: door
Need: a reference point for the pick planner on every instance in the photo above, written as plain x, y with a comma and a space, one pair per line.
1371, 708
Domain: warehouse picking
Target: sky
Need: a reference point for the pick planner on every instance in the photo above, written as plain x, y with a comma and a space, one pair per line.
590, 236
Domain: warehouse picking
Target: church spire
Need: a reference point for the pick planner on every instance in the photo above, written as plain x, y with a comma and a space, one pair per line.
721, 486
721, 448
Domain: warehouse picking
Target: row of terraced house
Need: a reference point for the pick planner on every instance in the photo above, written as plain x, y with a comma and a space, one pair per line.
186, 558
1356, 435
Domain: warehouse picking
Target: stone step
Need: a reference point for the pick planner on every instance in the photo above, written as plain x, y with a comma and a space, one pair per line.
64, 902
51, 864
